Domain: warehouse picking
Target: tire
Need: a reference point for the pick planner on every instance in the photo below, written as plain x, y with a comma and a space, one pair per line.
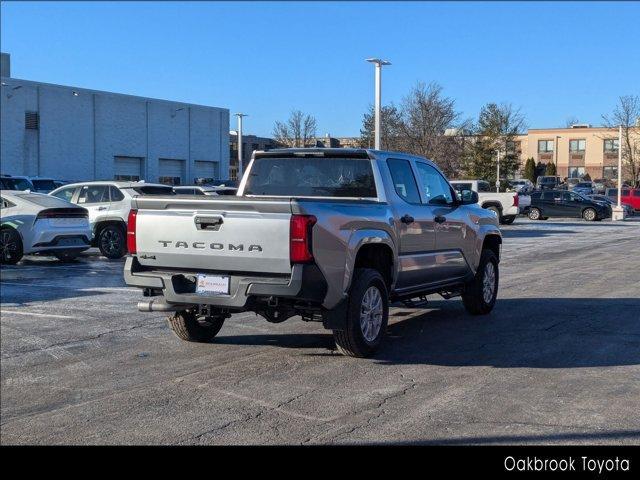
367, 315
478, 297
589, 214
111, 242
11, 249
508, 220
187, 326
66, 256
535, 214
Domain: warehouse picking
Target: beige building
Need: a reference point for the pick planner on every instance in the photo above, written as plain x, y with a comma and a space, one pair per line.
576, 151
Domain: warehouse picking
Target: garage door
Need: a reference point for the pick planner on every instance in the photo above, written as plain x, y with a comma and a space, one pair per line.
171, 172
128, 168
205, 169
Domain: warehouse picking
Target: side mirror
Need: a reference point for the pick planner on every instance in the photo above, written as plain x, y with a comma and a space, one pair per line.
469, 197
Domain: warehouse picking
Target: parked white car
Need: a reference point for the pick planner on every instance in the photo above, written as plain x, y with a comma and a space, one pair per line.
33, 223
507, 206
108, 204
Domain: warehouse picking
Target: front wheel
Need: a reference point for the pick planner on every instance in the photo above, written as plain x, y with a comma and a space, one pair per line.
193, 328
480, 294
508, 220
589, 215
10, 246
367, 315
111, 242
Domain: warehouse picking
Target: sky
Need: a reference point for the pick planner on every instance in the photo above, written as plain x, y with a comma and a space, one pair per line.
552, 60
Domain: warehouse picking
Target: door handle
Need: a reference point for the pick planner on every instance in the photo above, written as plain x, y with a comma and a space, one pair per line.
439, 219
103, 208
406, 218
212, 222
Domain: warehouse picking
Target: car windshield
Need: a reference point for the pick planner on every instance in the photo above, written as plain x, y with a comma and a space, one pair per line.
309, 177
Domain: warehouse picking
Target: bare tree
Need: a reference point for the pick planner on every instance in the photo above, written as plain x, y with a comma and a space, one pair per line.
426, 124
627, 114
298, 131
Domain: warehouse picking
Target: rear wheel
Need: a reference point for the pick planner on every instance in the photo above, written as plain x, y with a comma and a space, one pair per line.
508, 220
192, 328
589, 214
367, 315
480, 293
11, 250
535, 214
111, 242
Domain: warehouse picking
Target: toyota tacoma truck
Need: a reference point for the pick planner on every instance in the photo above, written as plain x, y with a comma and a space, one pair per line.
506, 205
329, 235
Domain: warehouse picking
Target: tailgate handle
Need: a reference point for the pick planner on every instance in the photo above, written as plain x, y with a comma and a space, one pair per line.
210, 222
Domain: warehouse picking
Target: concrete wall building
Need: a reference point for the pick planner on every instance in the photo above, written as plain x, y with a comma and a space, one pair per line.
76, 134
576, 151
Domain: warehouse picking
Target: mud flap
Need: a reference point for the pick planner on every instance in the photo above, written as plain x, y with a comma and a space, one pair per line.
336, 318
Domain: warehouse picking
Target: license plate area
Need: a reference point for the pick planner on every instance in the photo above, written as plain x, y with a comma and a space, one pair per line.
71, 242
212, 284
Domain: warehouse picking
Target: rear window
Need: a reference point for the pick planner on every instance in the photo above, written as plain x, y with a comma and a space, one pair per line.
311, 177
41, 199
154, 190
47, 185
16, 184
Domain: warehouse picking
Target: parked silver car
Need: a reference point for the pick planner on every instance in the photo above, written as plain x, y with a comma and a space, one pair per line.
36, 223
108, 204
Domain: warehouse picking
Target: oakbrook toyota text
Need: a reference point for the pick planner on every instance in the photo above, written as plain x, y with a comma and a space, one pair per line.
569, 464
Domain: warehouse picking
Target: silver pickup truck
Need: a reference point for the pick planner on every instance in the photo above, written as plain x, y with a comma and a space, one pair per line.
330, 235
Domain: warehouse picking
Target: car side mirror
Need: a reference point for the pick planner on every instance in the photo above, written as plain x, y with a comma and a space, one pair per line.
469, 197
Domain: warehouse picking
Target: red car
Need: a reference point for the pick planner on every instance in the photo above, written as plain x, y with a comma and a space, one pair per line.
630, 196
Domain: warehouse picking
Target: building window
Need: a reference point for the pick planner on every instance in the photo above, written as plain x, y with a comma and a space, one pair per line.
127, 178
611, 145
610, 172
576, 172
545, 146
31, 120
168, 180
577, 146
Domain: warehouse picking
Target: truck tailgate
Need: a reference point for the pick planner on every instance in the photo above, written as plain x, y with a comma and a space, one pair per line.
232, 234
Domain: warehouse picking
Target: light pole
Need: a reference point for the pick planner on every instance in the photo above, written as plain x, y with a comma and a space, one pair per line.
498, 173
240, 115
378, 96
619, 166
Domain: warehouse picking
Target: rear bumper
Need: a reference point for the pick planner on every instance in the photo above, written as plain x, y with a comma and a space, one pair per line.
306, 283
67, 242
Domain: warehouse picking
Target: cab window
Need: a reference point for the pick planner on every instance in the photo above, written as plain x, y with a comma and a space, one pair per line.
65, 193
435, 188
94, 194
403, 180
116, 195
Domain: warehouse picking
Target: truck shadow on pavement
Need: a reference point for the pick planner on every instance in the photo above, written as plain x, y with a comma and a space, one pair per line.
532, 233
519, 333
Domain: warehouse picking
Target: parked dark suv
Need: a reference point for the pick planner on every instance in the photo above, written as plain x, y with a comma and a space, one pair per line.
562, 203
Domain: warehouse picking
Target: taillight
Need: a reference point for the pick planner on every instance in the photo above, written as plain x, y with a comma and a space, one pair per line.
516, 200
300, 238
63, 213
131, 231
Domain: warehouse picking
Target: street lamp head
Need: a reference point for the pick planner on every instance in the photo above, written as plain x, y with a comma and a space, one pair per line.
377, 61
241, 114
